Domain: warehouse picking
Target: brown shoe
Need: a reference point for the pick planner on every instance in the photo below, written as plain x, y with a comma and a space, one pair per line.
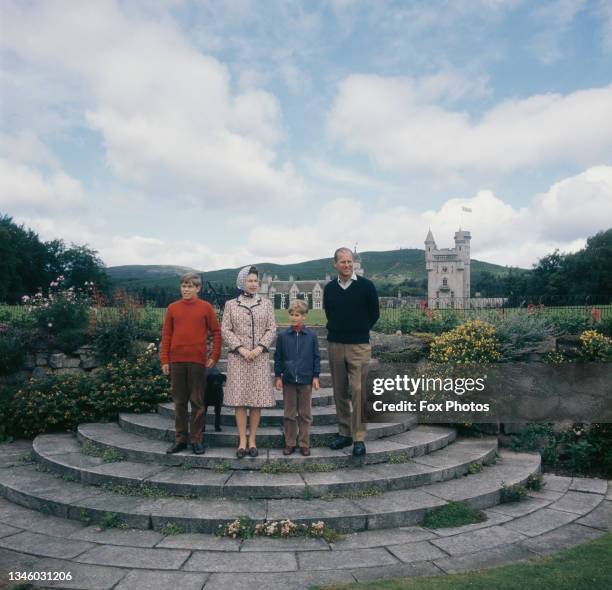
288, 450
305, 451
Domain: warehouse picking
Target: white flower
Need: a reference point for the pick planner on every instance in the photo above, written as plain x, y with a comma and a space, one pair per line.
25, 299
50, 325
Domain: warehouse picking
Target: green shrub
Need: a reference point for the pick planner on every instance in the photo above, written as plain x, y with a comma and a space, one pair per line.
451, 515
131, 386
513, 493
570, 323
520, 332
12, 350
60, 403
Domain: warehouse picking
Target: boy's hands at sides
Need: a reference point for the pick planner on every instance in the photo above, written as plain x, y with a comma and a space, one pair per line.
210, 364
278, 383
166, 369
315, 383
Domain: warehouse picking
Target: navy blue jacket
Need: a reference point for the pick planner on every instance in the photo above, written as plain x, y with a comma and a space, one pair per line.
297, 358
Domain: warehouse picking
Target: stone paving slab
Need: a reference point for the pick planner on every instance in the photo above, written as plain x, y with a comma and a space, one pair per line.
486, 558
577, 502
609, 494
493, 518
216, 562
600, 518
192, 481
199, 541
540, 522
525, 506
6, 530
25, 518
460, 452
130, 538
420, 551
545, 495
84, 577
154, 580
479, 540
202, 516
561, 538
292, 544
44, 545
383, 537
135, 557
57, 444
263, 485
350, 559
592, 485
278, 581
557, 483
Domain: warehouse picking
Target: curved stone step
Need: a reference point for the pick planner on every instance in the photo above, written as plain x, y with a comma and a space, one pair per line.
159, 427
399, 447
28, 487
451, 461
321, 415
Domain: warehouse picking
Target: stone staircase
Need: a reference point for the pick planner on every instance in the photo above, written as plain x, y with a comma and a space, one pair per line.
409, 469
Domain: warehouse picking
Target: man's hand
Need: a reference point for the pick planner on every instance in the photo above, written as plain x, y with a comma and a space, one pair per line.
278, 383
315, 383
166, 369
210, 364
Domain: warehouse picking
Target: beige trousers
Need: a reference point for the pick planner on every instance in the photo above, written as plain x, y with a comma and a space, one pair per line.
349, 365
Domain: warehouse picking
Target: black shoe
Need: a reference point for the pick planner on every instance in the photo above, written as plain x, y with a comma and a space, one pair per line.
340, 442
218, 429
359, 449
198, 448
176, 448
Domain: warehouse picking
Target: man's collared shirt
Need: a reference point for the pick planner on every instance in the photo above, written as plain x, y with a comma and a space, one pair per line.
349, 282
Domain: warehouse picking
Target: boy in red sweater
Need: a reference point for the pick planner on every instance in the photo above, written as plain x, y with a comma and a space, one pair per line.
184, 357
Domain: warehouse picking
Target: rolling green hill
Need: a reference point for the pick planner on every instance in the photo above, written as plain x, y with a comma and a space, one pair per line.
393, 266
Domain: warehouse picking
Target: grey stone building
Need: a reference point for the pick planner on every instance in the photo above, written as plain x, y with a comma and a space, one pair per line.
448, 272
282, 293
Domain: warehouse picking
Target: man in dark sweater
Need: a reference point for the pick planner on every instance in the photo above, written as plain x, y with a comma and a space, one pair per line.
352, 308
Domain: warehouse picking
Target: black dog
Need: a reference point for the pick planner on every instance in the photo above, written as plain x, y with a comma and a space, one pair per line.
213, 395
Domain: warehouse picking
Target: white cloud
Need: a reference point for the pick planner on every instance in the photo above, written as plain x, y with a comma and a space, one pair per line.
395, 121
166, 113
25, 188
563, 217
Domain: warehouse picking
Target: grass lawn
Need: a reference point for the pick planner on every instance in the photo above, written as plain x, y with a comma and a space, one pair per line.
587, 566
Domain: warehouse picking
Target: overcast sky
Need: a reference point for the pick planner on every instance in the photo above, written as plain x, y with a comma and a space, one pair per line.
220, 133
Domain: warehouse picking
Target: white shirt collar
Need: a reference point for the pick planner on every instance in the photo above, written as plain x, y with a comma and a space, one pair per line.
345, 285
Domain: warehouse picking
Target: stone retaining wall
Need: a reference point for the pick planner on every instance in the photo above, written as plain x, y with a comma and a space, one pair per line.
42, 363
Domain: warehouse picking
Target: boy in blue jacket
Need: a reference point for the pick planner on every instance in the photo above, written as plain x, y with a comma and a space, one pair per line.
297, 364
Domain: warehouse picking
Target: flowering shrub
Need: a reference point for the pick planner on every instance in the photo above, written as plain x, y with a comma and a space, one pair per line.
131, 386
595, 347
245, 528
63, 315
472, 342
412, 320
60, 403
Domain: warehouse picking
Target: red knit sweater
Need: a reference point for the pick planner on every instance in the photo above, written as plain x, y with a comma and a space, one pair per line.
185, 332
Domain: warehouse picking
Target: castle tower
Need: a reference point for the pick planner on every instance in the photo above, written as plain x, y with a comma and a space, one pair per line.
357, 269
448, 272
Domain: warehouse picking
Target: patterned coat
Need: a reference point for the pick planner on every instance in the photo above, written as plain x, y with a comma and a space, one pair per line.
249, 322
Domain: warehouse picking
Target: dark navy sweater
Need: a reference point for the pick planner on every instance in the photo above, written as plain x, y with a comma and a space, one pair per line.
350, 312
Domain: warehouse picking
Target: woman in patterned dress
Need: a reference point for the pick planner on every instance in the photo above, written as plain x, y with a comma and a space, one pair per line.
249, 330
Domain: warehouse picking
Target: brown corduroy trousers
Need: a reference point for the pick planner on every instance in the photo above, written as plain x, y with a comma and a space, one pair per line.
188, 385
349, 365
297, 399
